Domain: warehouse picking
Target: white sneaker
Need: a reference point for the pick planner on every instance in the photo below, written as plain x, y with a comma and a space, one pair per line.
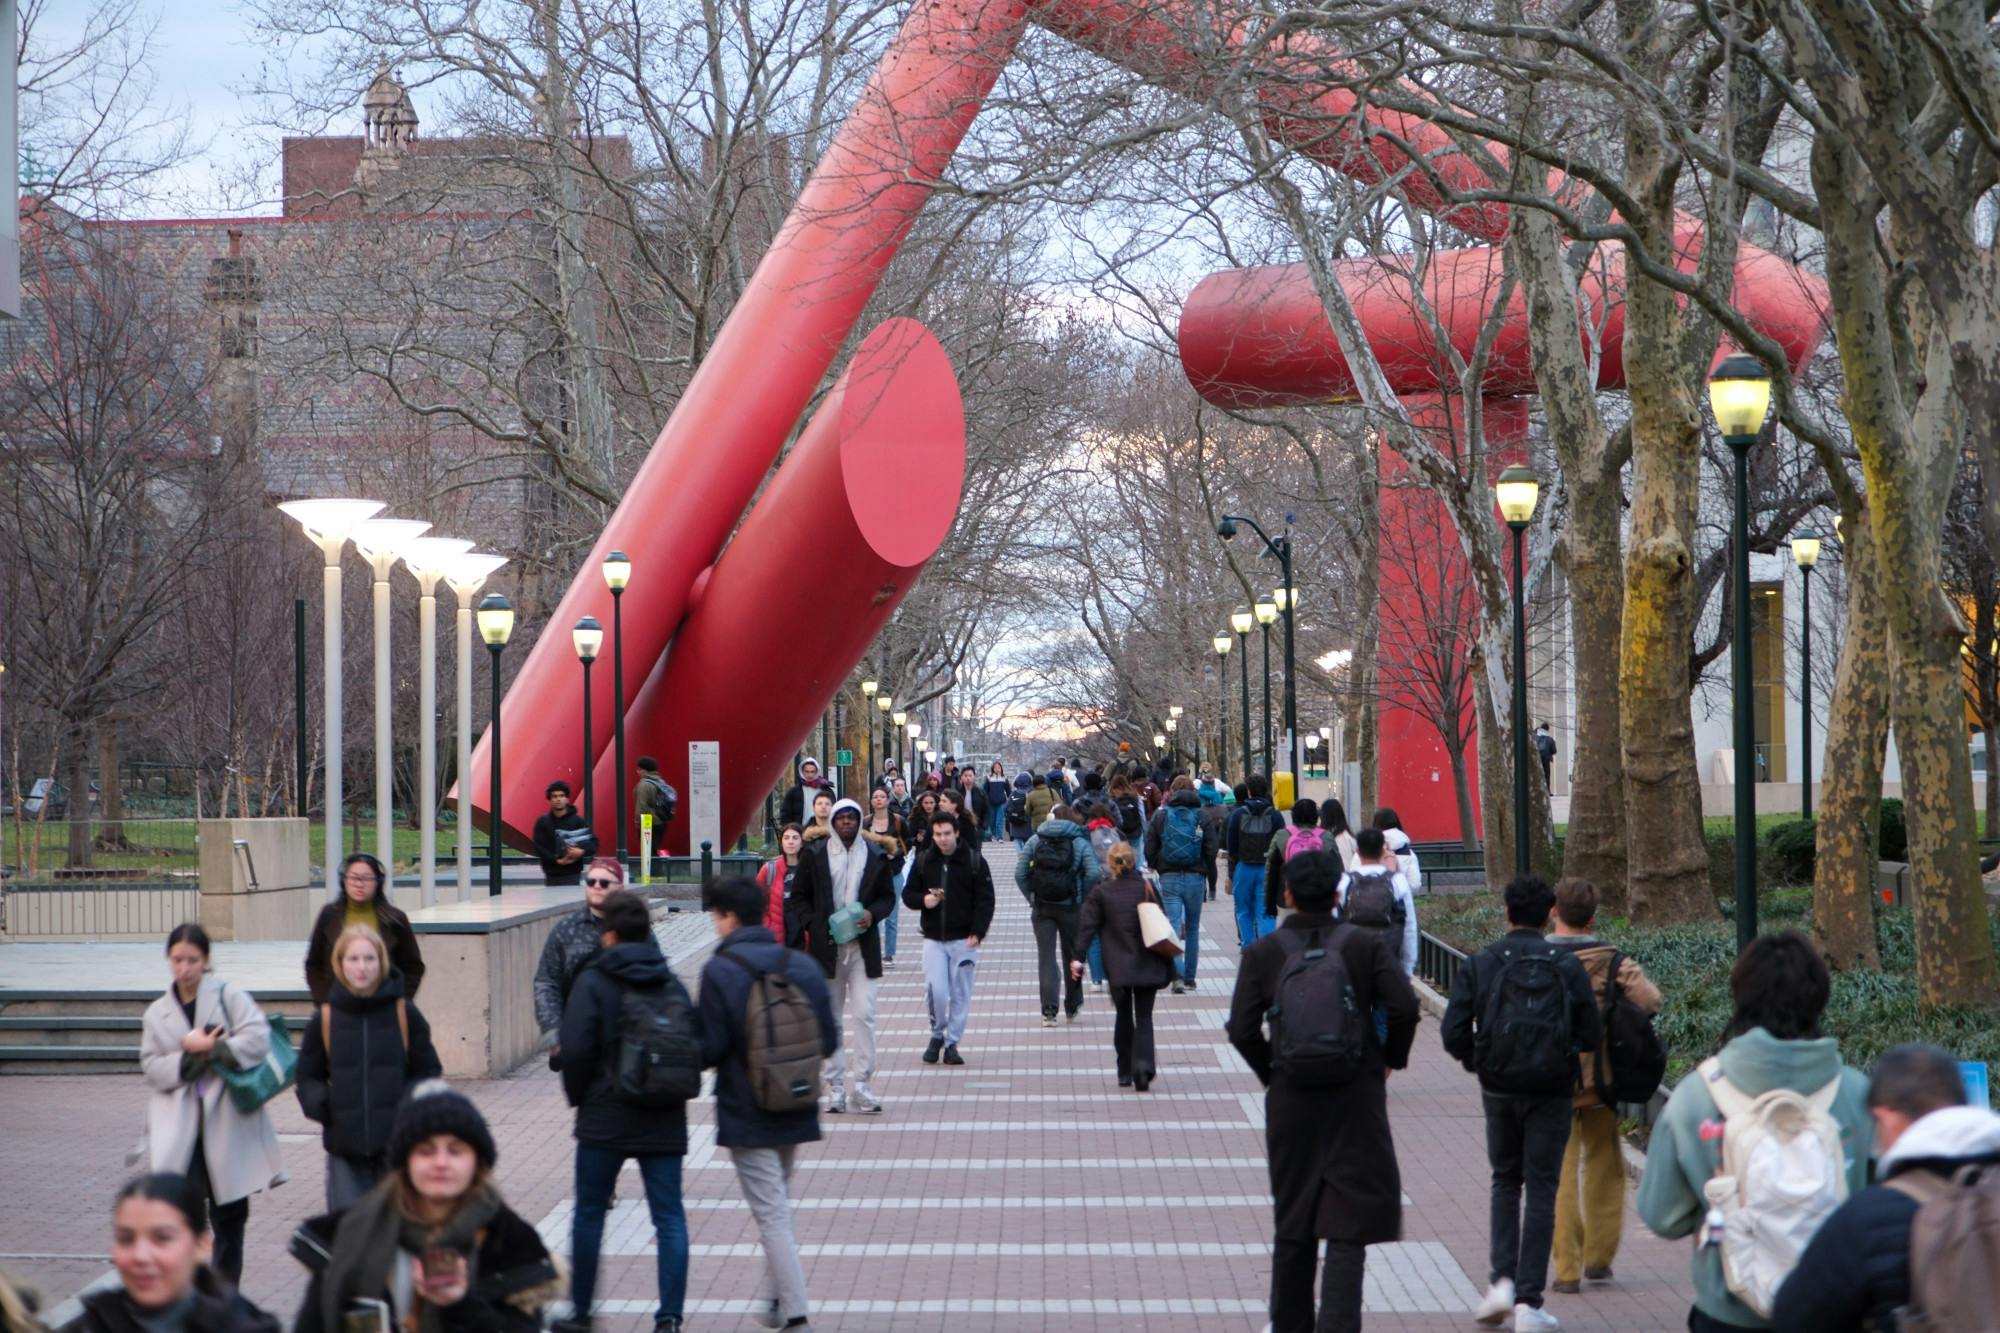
1499, 1300
838, 1106
865, 1100
1534, 1319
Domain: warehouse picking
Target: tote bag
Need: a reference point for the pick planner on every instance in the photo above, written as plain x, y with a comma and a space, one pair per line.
251, 1088
1155, 931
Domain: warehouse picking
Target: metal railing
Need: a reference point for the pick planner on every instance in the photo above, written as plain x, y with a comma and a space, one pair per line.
1438, 962
39, 850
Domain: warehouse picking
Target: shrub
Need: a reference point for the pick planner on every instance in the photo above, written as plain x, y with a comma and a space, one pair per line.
1894, 842
1788, 852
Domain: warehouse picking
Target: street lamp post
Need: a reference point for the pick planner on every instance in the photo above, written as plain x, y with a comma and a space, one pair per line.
1267, 611
1241, 620
883, 705
915, 729
1739, 392
467, 573
1326, 764
1287, 601
1516, 492
873, 766
618, 573
496, 623
1174, 738
1221, 645
329, 523
381, 542
428, 559
1805, 551
588, 638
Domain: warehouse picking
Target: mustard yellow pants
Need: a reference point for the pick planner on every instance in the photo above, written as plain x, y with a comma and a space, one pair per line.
1590, 1196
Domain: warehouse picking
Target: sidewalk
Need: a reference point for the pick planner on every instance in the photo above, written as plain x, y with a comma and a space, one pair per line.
1024, 1191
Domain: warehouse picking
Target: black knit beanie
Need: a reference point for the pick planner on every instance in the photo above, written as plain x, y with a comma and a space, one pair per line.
433, 1108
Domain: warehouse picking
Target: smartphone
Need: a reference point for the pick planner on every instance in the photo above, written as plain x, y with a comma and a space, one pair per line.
366, 1317
438, 1263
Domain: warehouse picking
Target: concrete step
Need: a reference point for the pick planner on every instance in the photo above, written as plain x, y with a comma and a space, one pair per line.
100, 1030
69, 1059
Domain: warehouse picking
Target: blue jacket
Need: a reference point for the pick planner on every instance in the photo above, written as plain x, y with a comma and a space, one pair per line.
725, 994
1087, 871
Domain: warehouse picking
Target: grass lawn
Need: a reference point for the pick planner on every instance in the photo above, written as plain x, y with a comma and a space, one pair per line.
167, 846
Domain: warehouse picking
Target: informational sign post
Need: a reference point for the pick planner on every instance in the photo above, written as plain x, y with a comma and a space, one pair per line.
704, 795
645, 849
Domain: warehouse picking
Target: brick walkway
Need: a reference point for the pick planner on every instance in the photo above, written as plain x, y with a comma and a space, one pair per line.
1025, 1191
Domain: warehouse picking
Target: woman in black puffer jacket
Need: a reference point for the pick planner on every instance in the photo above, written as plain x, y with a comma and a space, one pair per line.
362, 1049
1110, 917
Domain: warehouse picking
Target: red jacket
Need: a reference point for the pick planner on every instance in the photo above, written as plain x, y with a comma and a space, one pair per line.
772, 880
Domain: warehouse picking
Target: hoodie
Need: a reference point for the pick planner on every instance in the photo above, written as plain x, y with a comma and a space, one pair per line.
1855, 1275
1087, 870
1686, 1149
1406, 858
590, 1044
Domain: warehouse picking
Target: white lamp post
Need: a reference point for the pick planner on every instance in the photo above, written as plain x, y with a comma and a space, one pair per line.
381, 542
328, 523
429, 559
465, 575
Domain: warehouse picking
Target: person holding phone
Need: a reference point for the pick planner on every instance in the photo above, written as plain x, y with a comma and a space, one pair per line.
433, 1247
160, 1247
193, 1128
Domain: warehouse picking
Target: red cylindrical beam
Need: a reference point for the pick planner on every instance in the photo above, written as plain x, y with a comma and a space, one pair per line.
771, 354
861, 503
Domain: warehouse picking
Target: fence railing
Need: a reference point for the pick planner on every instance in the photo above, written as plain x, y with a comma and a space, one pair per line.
1438, 962
40, 851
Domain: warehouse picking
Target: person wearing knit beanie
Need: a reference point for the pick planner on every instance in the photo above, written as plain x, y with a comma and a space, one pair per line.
433, 1107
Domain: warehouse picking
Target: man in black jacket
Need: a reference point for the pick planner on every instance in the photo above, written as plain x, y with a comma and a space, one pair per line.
1333, 1162
562, 840
610, 1131
837, 873
951, 890
796, 808
1856, 1273
1521, 1010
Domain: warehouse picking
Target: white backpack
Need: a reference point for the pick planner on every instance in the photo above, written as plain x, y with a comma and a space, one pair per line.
1783, 1173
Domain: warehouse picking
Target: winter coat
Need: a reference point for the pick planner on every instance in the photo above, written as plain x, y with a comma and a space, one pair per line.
1041, 800
1683, 1152
241, 1149
1406, 858
390, 923
796, 807
876, 892
352, 1091
1333, 1160
967, 881
997, 792
1019, 829
217, 1308
1087, 870
652, 796
1467, 1008
1855, 1274
785, 919
724, 999
514, 1281
972, 800
590, 1045
1111, 916
1232, 830
1596, 959
1403, 946
1156, 829
574, 941
553, 837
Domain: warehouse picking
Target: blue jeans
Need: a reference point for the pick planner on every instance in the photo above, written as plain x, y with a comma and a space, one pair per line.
1247, 883
596, 1173
996, 822
1182, 893
1095, 957
895, 910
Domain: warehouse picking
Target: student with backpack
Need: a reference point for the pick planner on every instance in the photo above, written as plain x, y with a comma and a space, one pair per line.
1625, 1067
766, 1024
1214, 816
1885, 1256
1334, 1178
1247, 838
1176, 847
1391, 825
1373, 895
1301, 837
1128, 813
631, 1061
1762, 1141
1521, 1009
1019, 830
1054, 872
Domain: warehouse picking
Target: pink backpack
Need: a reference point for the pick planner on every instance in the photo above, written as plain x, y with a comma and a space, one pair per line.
1301, 840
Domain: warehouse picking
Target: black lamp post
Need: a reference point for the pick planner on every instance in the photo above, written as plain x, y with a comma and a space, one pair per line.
617, 573
883, 703
1279, 547
1516, 492
588, 636
872, 767
1241, 620
1739, 392
1805, 551
496, 623
1267, 612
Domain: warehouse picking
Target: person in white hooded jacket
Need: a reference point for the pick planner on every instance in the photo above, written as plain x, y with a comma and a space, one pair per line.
1373, 860
1391, 826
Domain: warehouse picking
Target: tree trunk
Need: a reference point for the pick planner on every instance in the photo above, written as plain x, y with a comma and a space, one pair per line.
1461, 788
1847, 829
1595, 845
110, 832
77, 779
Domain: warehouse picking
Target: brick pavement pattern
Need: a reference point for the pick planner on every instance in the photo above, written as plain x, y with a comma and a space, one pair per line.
1024, 1191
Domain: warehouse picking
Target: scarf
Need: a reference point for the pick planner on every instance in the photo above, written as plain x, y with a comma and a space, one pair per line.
846, 861
364, 1249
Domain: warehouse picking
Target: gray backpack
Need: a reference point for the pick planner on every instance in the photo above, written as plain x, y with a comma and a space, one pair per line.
782, 1041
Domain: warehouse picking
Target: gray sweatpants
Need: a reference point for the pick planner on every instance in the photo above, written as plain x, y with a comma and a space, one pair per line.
765, 1177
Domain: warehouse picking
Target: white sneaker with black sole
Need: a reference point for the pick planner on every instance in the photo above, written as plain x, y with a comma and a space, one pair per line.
1499, 1303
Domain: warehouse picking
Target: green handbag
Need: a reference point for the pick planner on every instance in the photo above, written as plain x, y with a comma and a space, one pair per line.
251, 1088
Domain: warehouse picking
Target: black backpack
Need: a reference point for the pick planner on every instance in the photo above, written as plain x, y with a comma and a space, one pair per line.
1371, 902
1130, 821
1319, 1036
657, 1062
1633, 1050
1017, 807
1524, 1042
1052, 871
1253, 836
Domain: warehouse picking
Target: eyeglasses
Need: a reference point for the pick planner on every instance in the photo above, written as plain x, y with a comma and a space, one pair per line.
597, 882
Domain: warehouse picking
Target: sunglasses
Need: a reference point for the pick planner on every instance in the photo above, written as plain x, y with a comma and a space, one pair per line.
600, 882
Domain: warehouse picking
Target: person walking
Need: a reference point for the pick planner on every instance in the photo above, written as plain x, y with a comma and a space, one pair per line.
796, 807
1304, 835
435, 1247
626, 989
951, 890
997, 796
1333, 822
761, 1115
572, 943
1391, 825
786, 908
1054, 872
1016, 815
363, 1049
1590, 1193
1214, 819
159, 1238
651, 795
1779, 988
1374, 896
886, 829
1177, 848
1247, 838
1041, 800
972, 799
821, 823
846, 880
1545, 750
1136, 974
1521, 1011
363, 901
201, 1026
562, 840
1863, 1267
1334, 1177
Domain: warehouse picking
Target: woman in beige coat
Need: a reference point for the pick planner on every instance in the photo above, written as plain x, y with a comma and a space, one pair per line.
192, 1126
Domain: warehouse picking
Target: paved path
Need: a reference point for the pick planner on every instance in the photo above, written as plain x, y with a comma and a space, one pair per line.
1025, 1191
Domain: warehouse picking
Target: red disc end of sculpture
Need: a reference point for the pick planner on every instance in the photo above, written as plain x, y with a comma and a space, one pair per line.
902, 442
